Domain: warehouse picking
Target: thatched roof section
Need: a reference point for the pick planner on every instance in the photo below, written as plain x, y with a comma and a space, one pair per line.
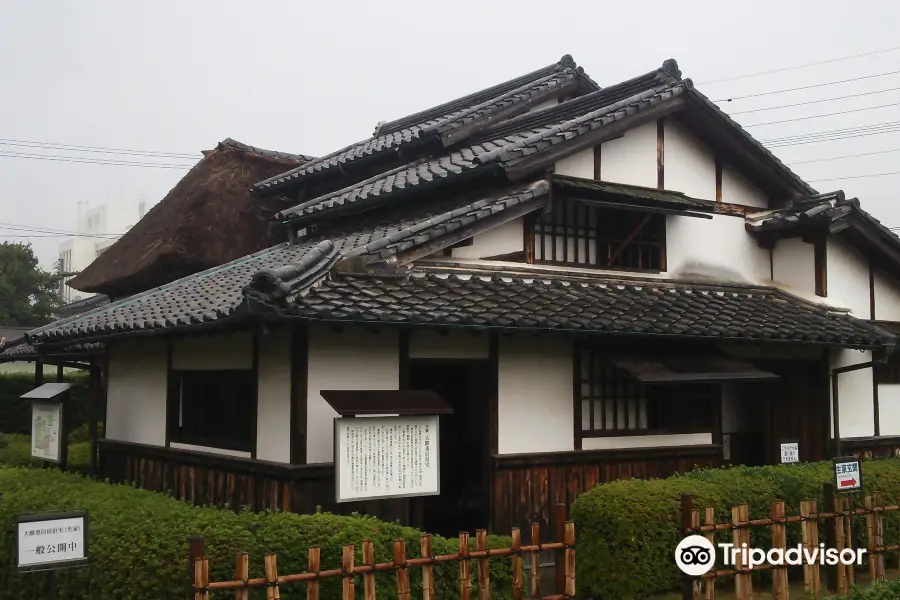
208, 218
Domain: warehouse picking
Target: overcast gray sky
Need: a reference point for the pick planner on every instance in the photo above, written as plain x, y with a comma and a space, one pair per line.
310, 77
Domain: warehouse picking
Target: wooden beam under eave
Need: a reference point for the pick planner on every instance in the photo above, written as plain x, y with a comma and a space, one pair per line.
718, 179
872, 291
820, 246
661, 153
299, 390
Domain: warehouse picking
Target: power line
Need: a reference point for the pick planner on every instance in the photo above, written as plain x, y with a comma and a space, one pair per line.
99, 149
807, 87
855, 177
20, 227
833, 134
76, 159
841, 112
741, 112
814, 64
805, 162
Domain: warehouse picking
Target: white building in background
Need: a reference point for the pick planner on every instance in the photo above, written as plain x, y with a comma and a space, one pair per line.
97, 228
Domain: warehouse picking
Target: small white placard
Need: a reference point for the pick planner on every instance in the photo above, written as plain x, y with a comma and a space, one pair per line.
790, 452
52, 542
46, 428
386, 457
847, 475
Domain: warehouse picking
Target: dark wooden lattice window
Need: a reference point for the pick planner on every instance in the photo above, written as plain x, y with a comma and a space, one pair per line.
614, 403
216, 408
577, 234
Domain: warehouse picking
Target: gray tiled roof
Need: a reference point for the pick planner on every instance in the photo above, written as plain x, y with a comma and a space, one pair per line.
272, 275
230, 143
609, 306
18, 350
442, 120
509, 148
632, 194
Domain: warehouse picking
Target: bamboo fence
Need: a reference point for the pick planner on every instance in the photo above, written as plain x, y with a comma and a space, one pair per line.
839, 534
350, 573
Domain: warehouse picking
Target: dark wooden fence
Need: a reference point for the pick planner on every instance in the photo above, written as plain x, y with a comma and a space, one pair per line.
350, 573
838, 524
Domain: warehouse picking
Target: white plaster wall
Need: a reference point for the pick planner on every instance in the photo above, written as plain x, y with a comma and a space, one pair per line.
425, 343
690, 166
848, 278
503, 239
721, 242
213, 352
535, 395
273, 438
887, 297
793, 263
580, 164
857, 408
136, 395
350, 360
646, 441
889, 408
632, 158
737, 190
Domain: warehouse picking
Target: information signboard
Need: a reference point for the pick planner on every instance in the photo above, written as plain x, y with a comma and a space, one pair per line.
386, 457
847, 474
790, 452
51, 541
46, 430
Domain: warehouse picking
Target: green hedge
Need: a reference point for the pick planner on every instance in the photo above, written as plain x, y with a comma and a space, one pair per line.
138, 542
627, 530
15, 413
16, 452
885, 590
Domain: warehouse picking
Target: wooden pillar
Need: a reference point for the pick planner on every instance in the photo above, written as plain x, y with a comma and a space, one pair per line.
94, 405
38, 373
59, 372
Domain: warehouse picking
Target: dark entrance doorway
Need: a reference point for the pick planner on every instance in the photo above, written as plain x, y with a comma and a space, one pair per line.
463, 502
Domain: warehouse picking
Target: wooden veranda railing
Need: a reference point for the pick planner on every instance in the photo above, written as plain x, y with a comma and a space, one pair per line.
349, 572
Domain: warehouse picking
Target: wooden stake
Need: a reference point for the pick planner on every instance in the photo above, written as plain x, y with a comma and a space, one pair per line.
558, 518
465, 584
242, 573
710, 519
745, 517
741, 590
870, 537
427, 571
196, 550
313, 566
517, 564
696, 583
369, 578
201, 579
779, 540
402, 572
841, 580
570, 559
810, 532
347, 591
879, 538
536, 560
848, 540
272, 592
484, 577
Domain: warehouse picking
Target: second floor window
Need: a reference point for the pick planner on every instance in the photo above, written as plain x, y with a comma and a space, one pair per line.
582, 235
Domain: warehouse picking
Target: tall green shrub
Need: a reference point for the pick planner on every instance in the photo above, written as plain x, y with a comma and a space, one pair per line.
627, 530
138, 542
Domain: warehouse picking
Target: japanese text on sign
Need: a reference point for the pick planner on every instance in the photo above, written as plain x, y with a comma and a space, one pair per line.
847, 475
382, 457
790, 452
51, 542
45, 430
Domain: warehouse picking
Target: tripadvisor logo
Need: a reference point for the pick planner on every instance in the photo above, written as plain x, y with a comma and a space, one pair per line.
695, 556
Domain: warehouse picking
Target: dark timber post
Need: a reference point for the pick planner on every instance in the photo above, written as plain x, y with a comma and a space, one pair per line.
38, 373
687, 510
94, 392
558, 517
830, 532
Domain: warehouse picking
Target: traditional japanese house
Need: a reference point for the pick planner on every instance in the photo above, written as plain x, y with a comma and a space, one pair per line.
602, 282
